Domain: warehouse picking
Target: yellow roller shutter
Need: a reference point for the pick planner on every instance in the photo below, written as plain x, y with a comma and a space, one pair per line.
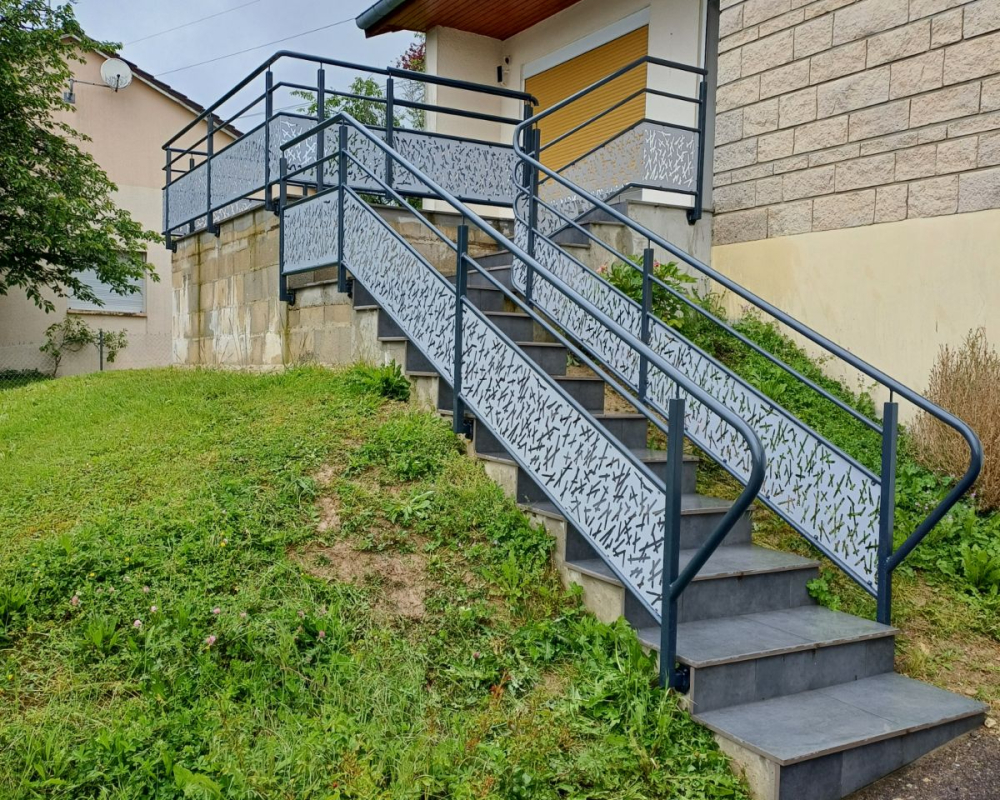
578, 73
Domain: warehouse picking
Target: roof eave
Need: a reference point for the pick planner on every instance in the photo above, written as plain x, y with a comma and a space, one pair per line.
375, 15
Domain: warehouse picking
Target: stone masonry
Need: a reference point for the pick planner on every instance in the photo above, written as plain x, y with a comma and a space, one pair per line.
225, 294
839, 113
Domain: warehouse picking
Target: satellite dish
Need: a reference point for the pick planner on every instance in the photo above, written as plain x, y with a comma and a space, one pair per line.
116, 73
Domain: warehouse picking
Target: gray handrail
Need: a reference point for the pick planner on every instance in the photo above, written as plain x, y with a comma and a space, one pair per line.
755, 480
895, 387
333, 62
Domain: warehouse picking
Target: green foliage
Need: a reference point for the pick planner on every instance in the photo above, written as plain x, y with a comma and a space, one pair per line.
981, 567
57, 216
627, 278
368, 109
823, 592
409, 446
73, 334
246, 677
960, 549
387, 381
12, 378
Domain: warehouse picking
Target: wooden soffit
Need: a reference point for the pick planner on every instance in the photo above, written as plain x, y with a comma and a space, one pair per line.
499, 19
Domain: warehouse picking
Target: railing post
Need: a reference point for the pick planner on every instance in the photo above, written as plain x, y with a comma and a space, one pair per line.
268, 113
669, 675
647, 309
283, 294
461, 283
210, 227
321, 136
342, 180
390, 126
168, 240
887, 510
191, 169
535, 147
694, 214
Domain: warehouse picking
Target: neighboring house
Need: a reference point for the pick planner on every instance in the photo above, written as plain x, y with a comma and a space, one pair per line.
126, 130
856, 142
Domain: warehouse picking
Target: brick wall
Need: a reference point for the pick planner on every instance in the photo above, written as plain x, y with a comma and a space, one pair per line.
840, 113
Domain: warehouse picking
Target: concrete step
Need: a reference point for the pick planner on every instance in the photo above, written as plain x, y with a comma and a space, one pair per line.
500, 273
519, 327
826, 743
737, 578
754, 657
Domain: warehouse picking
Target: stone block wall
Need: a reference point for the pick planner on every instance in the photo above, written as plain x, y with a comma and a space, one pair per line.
225, 294
226, 309
834, 114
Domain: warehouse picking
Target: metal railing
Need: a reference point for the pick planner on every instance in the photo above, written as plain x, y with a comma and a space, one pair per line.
539, 224
206, 183
655, 152
584, 472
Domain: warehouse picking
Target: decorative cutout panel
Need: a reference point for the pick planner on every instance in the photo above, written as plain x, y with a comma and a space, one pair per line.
605, 492
188, 197
650, 154
825, 495
472, 171
238, 170
309, 233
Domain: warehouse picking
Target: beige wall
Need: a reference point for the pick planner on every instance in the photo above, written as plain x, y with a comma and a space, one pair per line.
892, 294
127, 130
858, 170
854, 112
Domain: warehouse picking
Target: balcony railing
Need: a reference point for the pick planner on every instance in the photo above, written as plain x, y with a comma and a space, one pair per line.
206, 182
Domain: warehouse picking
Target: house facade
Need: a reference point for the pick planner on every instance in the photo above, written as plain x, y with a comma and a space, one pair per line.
853, 146
126, 130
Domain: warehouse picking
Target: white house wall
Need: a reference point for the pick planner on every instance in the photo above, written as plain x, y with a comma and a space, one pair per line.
676, 33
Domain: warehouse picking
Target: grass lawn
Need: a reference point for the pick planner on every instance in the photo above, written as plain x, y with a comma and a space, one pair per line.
218, 585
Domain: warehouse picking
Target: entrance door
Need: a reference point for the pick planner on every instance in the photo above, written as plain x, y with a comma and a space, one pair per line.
571, 76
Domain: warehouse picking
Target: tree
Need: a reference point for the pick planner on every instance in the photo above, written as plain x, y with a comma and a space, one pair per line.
57, 217
366, 108
415, 60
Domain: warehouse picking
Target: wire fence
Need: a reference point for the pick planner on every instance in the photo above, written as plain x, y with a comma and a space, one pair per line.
25, 362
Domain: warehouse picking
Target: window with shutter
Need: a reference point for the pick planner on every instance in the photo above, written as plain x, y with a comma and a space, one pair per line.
113, 303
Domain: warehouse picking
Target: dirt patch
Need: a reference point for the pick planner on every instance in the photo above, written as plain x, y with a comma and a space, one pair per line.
968, 769
400, 577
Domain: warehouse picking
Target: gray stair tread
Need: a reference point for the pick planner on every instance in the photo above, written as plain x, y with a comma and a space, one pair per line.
648, 455
730, 561
596, 567
803, 726
735, 560
710, 642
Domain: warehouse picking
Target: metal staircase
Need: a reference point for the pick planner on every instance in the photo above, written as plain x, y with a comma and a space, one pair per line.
803, 698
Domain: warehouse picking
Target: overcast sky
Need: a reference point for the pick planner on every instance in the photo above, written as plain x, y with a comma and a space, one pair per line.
256, 23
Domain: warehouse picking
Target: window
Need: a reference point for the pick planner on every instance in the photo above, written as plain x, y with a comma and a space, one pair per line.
113, 303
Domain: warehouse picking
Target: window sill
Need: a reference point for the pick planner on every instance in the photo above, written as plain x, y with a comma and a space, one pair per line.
86, 312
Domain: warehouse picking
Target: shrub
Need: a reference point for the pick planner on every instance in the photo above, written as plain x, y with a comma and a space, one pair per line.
964, 381
387, 381
627, 278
